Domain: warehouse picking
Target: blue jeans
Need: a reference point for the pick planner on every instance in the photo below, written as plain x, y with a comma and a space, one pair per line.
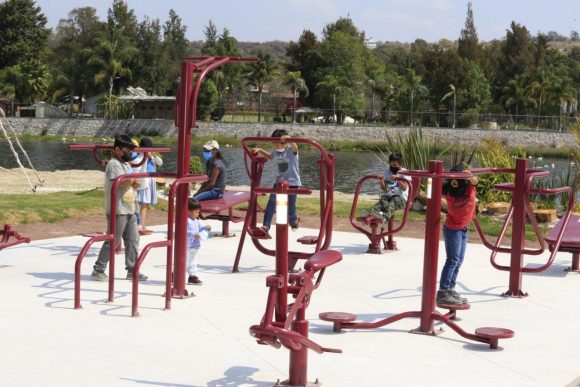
271, 208
208, 195
455, 243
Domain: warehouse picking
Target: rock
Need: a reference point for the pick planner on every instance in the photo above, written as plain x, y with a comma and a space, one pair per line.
545, 215
494, 208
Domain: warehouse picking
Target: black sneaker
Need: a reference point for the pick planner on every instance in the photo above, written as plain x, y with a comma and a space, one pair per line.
445, 297
457, 295
193, 280
294, 226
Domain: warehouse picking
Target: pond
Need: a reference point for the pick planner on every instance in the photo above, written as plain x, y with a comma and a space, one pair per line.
350, 165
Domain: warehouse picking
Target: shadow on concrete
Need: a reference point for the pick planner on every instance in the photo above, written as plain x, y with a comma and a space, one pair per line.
237, 376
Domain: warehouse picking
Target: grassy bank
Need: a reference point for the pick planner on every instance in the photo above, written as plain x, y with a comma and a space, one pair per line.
54, 207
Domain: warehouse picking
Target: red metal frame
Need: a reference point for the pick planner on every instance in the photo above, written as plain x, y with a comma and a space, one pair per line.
428, 314
8, 233
185, 119
323, 239
283, 324
192, 69
375, 236
520, 209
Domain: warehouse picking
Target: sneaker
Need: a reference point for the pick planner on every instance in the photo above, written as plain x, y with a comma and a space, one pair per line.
99, 276
445, 297
142, 277
193, 280
457, 295
294, 226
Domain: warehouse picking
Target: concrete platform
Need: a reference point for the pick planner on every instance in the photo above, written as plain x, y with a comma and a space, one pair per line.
204, 340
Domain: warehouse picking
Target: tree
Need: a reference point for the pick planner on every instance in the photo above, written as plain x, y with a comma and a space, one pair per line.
23, 35
539, 86
110, 60
516, 94
518, 52
414, 87
153, 71
468, 44
297, 86
259, 74
453, 93
478, 91
175, 47
72, 45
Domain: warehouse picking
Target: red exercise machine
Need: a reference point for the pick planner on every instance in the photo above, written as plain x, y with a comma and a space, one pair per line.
11, 237
519, 210
428, 314
193, 71
322, 240
285, 324
377, 232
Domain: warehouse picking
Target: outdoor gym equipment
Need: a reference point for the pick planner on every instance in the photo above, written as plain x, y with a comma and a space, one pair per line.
326, 166
285, 324
570, 240
519, 210
428, 314
193, 71
377, 231
11, 237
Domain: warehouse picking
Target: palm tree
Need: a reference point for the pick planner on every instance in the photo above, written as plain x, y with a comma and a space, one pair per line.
260, 73
454, 94
539, 87
297, 86
565, 94
413, 83
515, 93
110, 60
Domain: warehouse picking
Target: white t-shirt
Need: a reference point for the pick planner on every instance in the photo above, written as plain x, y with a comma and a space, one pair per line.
393, 187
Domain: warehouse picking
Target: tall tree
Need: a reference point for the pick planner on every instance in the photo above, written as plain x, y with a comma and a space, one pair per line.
468, 44
23, 35
518, 52
414, 87
260, 73
516, 94
152, 70
110, 61
175, 46
297, 86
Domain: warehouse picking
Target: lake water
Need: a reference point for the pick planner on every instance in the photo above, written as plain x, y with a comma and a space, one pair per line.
350, 165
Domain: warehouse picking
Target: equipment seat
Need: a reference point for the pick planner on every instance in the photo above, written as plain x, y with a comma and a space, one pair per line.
308, 240
322, 259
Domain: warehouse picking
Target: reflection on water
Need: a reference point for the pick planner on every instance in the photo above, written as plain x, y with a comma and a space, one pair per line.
350, 166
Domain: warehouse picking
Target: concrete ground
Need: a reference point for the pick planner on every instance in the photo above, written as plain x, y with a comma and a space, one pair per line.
204, 340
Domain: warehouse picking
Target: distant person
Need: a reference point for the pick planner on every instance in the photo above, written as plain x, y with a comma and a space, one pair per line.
285, 155
396, 192
196, 232
460, 197
125, 206
147, 192
215, 169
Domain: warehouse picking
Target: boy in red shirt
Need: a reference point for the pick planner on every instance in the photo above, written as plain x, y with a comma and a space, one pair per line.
460, 197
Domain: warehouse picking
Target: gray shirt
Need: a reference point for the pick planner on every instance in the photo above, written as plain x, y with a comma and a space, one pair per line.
125, 197
288, 165
220, 183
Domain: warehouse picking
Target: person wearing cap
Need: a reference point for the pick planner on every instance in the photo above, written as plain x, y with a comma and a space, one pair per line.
460, 197
147, 192
215, 186
126, 224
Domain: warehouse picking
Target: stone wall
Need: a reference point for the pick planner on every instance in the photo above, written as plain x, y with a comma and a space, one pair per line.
166, 128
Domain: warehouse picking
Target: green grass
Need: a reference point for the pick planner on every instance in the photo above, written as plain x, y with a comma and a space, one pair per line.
54, 207
49, 207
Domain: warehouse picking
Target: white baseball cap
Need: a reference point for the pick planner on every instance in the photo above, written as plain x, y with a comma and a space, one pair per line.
211, 144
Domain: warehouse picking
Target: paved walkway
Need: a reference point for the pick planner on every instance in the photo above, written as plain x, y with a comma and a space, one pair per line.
204, 341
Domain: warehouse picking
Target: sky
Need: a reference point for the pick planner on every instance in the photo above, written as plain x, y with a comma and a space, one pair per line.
382, 20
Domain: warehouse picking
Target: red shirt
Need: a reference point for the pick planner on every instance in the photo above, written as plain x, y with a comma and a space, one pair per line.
460, 211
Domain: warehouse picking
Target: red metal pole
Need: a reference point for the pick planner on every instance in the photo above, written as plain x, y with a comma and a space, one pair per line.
299, 359
182, 196
431, 253
518, 229
282, 248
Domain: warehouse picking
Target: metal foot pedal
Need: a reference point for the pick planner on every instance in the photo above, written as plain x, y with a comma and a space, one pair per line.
337, 318
494, 334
